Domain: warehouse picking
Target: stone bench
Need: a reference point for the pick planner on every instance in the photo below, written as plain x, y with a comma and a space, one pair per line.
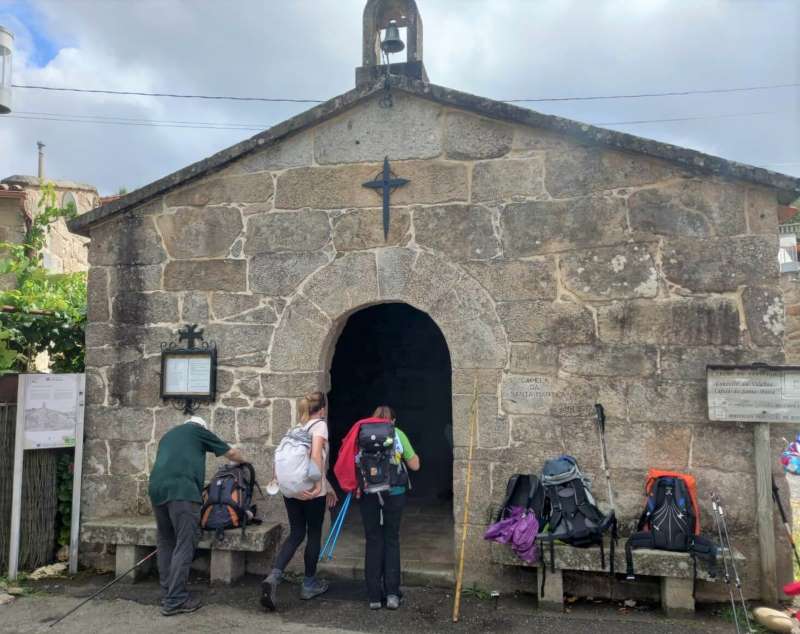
135, 537
674, 570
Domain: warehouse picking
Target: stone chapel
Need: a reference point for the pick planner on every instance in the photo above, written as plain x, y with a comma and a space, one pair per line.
556, 264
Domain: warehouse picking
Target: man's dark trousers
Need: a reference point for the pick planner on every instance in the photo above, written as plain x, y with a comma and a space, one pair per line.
178, 526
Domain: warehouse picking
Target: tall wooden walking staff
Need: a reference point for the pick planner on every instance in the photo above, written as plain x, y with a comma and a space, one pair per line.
473, 423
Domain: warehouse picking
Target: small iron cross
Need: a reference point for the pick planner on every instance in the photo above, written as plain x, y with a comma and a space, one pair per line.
387, 184
190, 333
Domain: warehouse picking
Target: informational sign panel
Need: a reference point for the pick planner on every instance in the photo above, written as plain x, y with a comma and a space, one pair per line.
756, 394
187, 374
787, 253
52, 406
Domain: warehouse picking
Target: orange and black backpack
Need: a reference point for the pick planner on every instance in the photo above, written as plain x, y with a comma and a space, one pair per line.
671, 520
228, 499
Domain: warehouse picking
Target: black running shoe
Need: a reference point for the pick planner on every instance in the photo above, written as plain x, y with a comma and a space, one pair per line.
269, 589
190, 605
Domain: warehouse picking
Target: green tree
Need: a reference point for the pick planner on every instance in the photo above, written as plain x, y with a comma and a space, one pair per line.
44, 312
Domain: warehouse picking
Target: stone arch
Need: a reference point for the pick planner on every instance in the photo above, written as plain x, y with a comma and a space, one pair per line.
306, 335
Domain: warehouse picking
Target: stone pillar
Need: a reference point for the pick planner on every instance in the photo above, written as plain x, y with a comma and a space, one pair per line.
226, 566
552, 597
677, 596
127, 556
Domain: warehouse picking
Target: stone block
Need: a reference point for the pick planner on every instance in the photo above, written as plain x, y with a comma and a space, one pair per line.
238, 340
531, 139
562, 397
108, 496
464, 381
764, 313
127, 458
127, 556
248, 383
294, 385
136, 278
346, 282
677, 596
145, 308
128, 424
224, 424
292, 151
487, 420
135, 384
739, 449
533, 358
281, 419
618, 272
508, 179
242, 308
547, 322
762, 210
95, 457
608, 360
682, 363
360, 229
95, 384
126, 240
514, 280
410, 129
552, 596
537, 227
480, 504
194, 309
635, 445
227, 566
206, 275
306, 230
461, 232
671, 401
720, 264
253, 424
299, 338
683, 322
477, 342
281, 273
97, 295
430, 183
394, 270
468, 137
578, 171
250, 188
690, 208
206, 232
431, 279
540, 435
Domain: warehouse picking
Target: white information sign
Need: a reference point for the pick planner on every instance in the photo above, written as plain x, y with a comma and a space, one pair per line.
51, 408
754, 395
187, 374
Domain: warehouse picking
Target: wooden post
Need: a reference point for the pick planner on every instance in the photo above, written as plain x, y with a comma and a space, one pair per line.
766, 529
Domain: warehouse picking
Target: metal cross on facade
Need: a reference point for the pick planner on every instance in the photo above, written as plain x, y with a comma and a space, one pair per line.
190, 333
387, 183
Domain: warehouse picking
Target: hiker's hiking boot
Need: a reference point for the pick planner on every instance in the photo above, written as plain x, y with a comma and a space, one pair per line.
269, 590
375, 605
392, 602
313, 588
190, 605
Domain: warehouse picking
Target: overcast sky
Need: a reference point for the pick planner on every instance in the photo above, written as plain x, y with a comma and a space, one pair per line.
503, 49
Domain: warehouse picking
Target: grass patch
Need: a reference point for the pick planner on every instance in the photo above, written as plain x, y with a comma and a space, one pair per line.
726, 614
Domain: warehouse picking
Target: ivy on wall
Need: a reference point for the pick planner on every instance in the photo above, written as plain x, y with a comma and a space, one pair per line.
42, 312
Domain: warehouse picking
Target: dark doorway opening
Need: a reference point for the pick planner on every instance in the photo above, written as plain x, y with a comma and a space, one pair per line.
393, 354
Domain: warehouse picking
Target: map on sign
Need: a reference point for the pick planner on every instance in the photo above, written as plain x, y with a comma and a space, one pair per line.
52, 406
758, 395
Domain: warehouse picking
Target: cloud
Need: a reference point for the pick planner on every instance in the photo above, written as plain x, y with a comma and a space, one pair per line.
309, 48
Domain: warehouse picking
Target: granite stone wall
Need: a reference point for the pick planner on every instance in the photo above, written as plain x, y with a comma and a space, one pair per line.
561, 275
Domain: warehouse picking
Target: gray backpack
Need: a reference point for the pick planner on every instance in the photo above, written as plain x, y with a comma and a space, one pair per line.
294, 469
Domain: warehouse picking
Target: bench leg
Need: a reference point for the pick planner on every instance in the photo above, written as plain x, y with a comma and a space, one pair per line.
553, 596
126, 558
226, 566
676, 596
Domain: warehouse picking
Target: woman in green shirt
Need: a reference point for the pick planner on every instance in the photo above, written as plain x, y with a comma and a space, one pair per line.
382, 561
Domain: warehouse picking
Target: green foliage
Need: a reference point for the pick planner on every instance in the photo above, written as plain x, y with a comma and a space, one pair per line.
476, 592
49, 310
64, 492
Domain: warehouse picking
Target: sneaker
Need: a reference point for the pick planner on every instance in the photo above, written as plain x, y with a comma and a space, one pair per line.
316, 588
269, 590
375, 605
190, 605
392, 602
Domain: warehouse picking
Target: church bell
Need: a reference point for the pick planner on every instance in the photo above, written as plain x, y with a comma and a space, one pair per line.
391, 41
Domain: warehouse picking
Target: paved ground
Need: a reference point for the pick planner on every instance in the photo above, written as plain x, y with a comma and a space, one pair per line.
133, 610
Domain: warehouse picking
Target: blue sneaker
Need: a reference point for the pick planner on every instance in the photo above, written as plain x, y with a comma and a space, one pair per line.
313, 588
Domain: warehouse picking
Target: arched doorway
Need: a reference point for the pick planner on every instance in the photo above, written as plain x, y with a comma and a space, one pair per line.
396, 355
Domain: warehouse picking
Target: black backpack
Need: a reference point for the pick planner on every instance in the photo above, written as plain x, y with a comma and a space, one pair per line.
525, 491
571, 513
670, 522
377, 468
228, 499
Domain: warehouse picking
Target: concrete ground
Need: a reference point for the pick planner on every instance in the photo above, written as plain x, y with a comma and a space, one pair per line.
133, 609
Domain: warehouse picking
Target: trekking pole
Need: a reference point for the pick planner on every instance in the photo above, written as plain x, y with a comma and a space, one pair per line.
601, 429
343, 514
473, 422
104, 588
777, 498
724, 562
736, 579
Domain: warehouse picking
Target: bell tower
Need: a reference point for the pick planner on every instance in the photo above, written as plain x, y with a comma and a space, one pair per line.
380, 15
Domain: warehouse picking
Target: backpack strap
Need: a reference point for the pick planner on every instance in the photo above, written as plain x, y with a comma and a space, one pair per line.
510, 486
637, 540
533, 490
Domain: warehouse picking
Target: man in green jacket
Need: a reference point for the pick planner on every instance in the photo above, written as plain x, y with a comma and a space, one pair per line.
176, 483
